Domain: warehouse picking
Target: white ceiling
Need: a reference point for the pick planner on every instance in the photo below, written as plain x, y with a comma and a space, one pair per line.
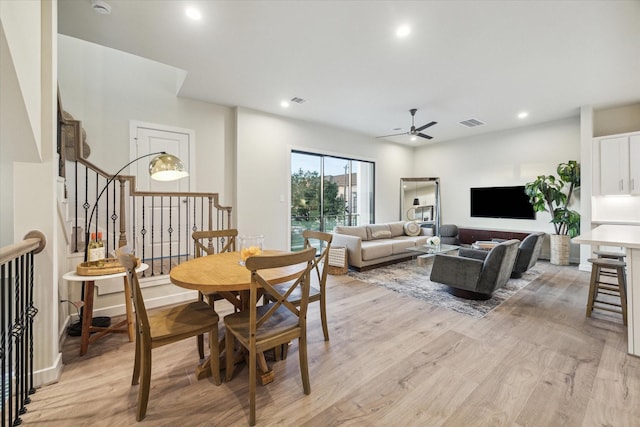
487, 60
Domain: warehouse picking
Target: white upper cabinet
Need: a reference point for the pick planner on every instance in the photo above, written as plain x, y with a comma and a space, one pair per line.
634, 164
617, 165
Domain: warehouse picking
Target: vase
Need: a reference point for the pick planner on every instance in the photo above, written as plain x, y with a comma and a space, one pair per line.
250, 246
560, 249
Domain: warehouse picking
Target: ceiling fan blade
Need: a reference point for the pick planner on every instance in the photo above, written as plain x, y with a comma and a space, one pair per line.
424, 136
395, 134
426, 126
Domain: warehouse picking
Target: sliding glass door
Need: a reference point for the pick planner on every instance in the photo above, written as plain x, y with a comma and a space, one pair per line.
327, 191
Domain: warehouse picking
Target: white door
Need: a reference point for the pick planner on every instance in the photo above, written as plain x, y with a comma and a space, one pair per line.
161, 230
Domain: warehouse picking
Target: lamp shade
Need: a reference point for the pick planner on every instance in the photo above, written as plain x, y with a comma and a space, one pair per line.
167, 167
416, 202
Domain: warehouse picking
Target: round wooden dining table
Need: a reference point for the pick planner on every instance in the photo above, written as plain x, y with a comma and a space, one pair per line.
223, 274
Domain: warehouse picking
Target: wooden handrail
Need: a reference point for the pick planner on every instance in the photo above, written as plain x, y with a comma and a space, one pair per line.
34, 241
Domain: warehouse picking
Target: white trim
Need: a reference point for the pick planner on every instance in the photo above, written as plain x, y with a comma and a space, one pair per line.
50, 374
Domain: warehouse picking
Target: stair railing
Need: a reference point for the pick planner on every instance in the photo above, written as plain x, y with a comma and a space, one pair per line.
157, 225
16, 329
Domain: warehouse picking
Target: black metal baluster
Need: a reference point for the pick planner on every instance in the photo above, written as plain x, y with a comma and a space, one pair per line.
143, 231
15, 333
4, 297
153, 228
170, 230
161, 235
32, 312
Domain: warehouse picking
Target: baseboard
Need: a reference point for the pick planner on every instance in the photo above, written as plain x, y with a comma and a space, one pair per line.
49, 375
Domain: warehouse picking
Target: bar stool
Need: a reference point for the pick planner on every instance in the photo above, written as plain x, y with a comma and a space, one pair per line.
612, 255
599, 288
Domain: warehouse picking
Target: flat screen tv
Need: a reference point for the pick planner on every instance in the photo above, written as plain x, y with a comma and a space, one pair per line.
501, 202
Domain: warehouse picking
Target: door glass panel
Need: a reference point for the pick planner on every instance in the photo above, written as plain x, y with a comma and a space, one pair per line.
327, 191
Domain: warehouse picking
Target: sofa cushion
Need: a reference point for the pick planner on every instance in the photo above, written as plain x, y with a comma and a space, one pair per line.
400, 244
412, 228
376, 249
378, 231
397, 228
357, 231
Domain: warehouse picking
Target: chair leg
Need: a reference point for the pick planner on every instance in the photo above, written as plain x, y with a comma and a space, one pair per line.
228, 351
323, 316
145, 383
304, 365
200, 342
214, 357
136, 361
200, 338
252, 386
622, 285
595, 273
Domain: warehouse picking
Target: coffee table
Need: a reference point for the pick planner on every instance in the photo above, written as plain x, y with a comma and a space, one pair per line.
429, 251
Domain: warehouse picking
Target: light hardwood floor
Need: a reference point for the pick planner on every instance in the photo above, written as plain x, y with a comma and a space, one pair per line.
392, 361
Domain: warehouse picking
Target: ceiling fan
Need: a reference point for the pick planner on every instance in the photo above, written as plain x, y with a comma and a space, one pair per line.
414, 131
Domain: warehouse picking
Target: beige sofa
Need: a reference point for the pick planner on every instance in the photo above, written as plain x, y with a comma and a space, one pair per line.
370, 245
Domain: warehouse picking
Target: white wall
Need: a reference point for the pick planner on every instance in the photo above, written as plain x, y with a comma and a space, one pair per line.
264, 144
28, 118
18, 140
106, 89
512, 157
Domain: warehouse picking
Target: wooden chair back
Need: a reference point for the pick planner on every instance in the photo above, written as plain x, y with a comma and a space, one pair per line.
321, 261
214, 241
128, 261
279, 296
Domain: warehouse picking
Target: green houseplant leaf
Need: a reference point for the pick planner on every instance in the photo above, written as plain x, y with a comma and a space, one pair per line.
546, 194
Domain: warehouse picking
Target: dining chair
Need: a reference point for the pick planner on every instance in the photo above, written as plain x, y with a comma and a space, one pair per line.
317, 290
262, 327
209, 242
162, 327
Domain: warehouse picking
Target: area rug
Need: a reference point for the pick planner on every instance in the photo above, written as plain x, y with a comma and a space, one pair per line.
408, 278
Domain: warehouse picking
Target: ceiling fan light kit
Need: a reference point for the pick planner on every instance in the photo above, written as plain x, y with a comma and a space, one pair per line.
414, 131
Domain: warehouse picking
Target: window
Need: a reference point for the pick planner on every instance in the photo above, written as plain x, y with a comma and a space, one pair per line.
327, 191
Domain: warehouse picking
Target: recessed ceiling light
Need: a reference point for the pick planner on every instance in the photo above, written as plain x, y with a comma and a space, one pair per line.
523, 115
193, 13
403, 31
284, 104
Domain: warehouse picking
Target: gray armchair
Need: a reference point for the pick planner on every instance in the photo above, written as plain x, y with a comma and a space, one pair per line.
528, 253
449, 234
475, 274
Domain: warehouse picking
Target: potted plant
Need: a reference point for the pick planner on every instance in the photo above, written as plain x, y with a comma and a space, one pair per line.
546, 194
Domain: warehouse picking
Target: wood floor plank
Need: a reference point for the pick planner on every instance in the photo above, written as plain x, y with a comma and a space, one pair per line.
392, 360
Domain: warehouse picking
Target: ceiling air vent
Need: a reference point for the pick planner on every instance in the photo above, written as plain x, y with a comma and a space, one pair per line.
470, 123
298, 100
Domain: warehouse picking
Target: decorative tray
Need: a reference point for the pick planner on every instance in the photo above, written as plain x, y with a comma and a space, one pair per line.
111, 266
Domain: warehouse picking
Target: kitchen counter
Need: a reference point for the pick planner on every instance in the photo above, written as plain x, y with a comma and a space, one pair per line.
628, 237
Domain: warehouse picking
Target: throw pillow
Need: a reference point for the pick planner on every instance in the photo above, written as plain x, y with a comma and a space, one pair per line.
382, 234
378, 231
412, 228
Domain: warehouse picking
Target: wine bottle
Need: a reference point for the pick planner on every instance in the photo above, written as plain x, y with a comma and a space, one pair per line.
96, 250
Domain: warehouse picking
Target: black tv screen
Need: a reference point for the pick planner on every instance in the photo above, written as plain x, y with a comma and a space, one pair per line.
501, 202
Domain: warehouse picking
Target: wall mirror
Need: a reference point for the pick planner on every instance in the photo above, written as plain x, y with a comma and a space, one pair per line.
420, 201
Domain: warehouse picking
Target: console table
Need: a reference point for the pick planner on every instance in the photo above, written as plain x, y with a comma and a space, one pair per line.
628, 237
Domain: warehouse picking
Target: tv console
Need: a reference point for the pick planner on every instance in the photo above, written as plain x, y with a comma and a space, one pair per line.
468, 236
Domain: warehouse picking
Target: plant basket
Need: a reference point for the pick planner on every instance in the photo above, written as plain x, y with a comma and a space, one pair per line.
560, 249
337, 261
